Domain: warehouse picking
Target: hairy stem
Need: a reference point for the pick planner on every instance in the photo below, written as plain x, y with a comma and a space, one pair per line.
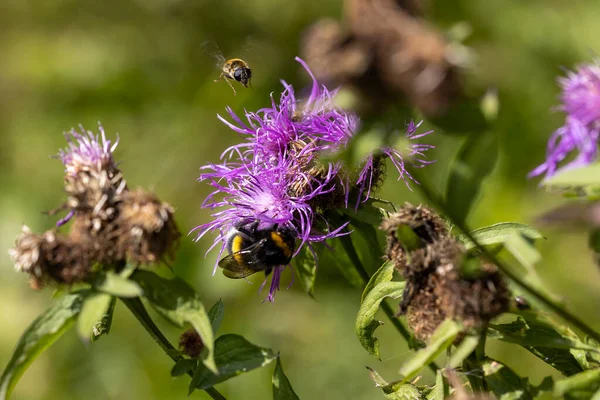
139, 311
353, 255
436, 200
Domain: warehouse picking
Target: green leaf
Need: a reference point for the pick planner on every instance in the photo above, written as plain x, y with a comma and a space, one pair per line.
215, 314
408, 238
94, 308
504, 382
371, 249
439, 390
543, 341
338, 257
180, 304
584, 176
233, 355
102, 327
183, 366
306, 269
581, 386
282, 389
499, 234
366, 324
463, 350
116, 285
474, 162
523, 251
383, 274
367, 213
395, 390
441, 339
40, 335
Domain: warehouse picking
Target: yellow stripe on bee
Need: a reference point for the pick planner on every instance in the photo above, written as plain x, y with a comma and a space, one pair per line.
236, 247
276, 237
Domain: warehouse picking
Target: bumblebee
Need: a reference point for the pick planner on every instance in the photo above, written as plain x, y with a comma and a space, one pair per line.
235, 69
253, 250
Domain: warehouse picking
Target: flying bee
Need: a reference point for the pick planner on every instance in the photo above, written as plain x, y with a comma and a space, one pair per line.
253, 250
236, 69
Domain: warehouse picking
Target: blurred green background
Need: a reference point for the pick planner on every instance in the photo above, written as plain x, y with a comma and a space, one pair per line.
139, 68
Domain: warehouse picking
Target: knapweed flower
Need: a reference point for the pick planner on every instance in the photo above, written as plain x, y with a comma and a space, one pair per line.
580, 101
275, 178
111, 224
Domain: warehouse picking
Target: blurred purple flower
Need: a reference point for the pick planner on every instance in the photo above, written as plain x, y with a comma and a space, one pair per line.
87, 151
581, 102
274, 177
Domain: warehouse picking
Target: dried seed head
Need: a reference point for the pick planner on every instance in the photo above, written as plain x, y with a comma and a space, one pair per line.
190, 343
427, 225
51, 257
424, 314
386, 54
95, 194
146, 228
473, 302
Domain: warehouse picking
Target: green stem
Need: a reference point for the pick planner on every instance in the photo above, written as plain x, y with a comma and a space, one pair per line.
436, 200
139, 311
353, 255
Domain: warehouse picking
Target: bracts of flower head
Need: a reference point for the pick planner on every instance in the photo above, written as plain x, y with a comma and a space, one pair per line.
580, 101
276, 177
438, 285
111, 225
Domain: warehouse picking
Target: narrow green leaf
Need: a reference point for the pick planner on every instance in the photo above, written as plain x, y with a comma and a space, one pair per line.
282, 389
102, 327
366, 324
383, 274
215, 314
499, 234
523, 251
338, 257
584, 176
40, 335
233, 355
441, 339
183, 366
395, 390
439, 390
474, 162
543, 341
367, 213
94, 308
464, 349
581, 386
504, 382
375, 377
116, 285
370, 248
180, 304
306, 269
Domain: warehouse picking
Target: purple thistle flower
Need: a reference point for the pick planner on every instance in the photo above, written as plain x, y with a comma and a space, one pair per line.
274, 177
581, 102
87, 151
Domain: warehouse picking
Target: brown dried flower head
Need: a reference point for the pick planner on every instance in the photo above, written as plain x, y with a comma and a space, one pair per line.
51, 257
146, 228
190, 343
386, 52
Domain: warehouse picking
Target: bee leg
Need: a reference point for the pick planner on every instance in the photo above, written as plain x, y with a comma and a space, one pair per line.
230, 85
223, 76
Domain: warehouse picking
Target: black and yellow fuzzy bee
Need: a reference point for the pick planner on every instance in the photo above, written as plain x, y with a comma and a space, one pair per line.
253, 250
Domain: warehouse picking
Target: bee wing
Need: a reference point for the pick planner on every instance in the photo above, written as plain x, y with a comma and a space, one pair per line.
211, 48
236, 270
